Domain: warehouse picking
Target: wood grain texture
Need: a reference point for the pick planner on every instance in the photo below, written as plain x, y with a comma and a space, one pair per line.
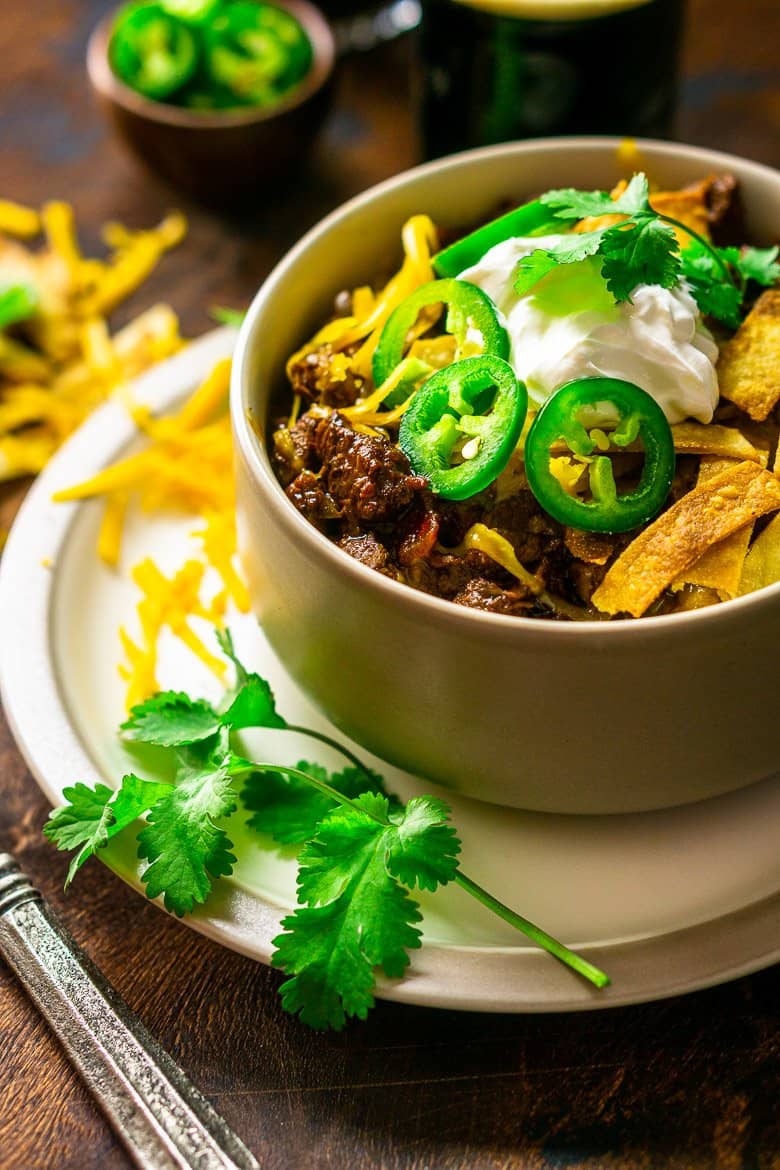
689, 1084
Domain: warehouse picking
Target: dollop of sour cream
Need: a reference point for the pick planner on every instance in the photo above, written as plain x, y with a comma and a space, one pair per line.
568, 326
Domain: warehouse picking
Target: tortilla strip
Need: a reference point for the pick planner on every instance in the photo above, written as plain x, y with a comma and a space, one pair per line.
693, 438
749, 364
689, 206
762, 564
720, 568
678, 538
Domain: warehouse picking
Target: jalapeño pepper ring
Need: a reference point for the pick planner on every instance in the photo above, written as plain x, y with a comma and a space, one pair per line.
468, 308
152, 51
479, 398
531, 219
640, 418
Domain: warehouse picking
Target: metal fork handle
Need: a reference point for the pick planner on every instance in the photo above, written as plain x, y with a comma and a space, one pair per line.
164, 1122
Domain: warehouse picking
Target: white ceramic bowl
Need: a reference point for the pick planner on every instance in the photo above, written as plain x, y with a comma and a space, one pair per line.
579, 718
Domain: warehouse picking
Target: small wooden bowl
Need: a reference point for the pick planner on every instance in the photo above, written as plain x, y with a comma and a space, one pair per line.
222, 157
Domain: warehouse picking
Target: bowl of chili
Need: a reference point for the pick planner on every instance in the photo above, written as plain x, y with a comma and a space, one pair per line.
221, 103
612, 716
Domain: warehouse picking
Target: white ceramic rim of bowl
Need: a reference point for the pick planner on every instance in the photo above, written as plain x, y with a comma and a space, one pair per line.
436, 609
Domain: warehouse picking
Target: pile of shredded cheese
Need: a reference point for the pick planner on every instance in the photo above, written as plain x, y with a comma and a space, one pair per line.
186, 466
62, 362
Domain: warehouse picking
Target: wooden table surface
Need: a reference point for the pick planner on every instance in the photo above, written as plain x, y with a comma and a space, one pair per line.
686, 1084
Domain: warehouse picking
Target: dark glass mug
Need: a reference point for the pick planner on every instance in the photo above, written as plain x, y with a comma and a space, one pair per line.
496, 70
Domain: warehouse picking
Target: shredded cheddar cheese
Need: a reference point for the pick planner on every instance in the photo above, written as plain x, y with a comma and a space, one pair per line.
186, 465
370, 312
63, 361
172, 602
497, 547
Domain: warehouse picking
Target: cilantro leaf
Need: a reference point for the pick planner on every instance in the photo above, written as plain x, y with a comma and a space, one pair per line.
253, 706
425, 851
252, 703
643, 250
357, 916
17, 303
759, 264
94, 815
363, 851
568, 250
716, 299
183, 845
171, 718
703, 274
290, 809
569, 203
640, 249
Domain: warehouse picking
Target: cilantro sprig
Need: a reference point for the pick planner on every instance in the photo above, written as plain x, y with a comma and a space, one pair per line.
642, 247
363, 851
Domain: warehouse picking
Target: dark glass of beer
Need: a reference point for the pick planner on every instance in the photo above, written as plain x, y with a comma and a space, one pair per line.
495, 70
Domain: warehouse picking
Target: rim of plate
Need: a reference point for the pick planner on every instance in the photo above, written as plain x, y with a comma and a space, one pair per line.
476, 978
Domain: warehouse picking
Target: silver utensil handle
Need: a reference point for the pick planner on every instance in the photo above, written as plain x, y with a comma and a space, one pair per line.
165, 1123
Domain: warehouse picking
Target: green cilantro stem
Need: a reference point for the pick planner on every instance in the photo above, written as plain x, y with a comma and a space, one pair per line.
542, 939
321, 785
326, 739
701, 240
535, 933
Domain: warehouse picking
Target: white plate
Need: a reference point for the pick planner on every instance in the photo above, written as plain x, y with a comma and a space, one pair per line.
666, 902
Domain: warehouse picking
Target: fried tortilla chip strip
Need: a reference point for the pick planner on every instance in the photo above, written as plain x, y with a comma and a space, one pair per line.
693, 438
749, 364
762, 564
689, 206
720, 568
680, 536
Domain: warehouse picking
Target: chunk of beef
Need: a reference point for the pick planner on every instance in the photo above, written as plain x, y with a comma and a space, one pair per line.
448, 574
529, 530
487, 595
318, 378
369, 551
295, 449
368, 477
725, 213
457, 516
312, 500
